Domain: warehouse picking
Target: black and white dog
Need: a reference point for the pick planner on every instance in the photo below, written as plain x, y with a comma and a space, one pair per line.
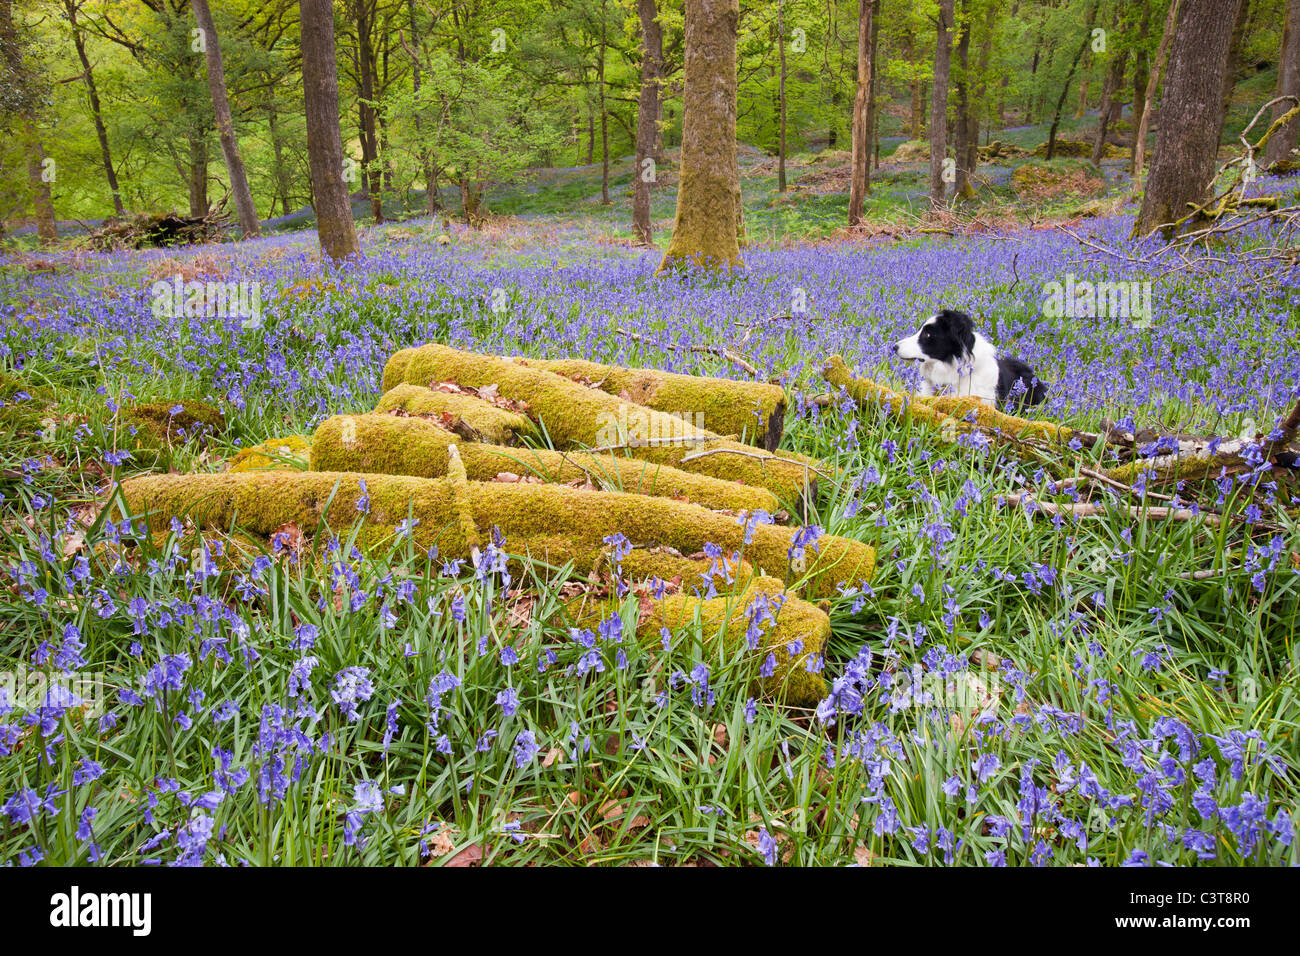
956, 360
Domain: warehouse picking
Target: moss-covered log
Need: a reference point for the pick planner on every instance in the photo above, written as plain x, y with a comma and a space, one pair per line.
752, 411
573, 415
793, 631
415, 446
941, 412
469, 417
553, 523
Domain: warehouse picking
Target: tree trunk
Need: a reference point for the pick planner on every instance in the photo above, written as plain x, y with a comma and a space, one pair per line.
1234, 58
1110, 99
1143, 124
46, 226
873, 144
1065, 88
708, 227
96, 112
961, 126
197, 174
431, 204
244, 207
334, 225
939, 102
363, 12
1187, 142
604, 114
1288, 84
780, 45
861, 120
647, 114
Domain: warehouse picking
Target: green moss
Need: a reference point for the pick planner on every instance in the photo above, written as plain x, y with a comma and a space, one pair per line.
727, 618
575, 416
551, 522
22, 405
944, 414
414, 446
752, 410
168, 423
469, 417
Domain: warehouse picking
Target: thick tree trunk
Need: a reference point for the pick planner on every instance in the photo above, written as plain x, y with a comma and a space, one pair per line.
243, 196
47, 228
334, 225
1149, 95
1288, 84
939, 102
647, 118
708, 227
1187, 142
96, 112
861, 118
196, 174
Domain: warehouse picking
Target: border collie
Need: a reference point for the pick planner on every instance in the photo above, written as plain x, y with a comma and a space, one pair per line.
956, 360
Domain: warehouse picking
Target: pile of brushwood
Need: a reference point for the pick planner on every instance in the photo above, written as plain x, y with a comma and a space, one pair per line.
669, 482
160, 229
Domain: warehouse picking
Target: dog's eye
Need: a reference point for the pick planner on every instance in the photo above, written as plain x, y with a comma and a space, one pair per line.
925, 334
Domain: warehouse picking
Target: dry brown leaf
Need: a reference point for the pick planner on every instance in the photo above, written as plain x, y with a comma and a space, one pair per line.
470, 856
862, 856
552, 755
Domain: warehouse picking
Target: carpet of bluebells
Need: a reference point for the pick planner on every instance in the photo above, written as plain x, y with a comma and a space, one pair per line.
1009, 690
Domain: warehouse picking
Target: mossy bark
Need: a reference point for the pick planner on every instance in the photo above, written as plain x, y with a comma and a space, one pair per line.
752, 411
942, 413
553, 523
469, 417
797, 624
575, 416
707, 230
414, 446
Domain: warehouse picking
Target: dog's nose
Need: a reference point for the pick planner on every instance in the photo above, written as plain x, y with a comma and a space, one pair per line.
894, 348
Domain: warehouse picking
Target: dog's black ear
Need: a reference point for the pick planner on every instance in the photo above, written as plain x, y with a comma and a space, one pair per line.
961, 327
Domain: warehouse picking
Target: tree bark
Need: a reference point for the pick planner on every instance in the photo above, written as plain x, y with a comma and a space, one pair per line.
47, 228
1187, 142
861, 120
363, 12
939, 101
334, 225
92, 94
196, 175
1288, 84
708, 227
1144, 124
647, 118
244, 208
